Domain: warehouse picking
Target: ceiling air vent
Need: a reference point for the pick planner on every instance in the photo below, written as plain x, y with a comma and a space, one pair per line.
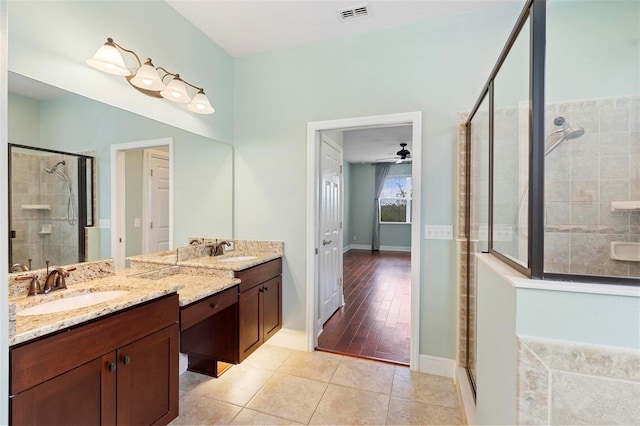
355, 12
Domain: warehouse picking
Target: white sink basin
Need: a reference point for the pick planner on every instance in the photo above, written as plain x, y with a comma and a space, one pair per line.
72, 302
237, 259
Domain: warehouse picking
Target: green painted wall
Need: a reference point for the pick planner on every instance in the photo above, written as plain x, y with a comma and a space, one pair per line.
437, 67
346, 213
24, 118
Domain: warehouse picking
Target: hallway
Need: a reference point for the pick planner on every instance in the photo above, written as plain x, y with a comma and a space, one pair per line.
375, 321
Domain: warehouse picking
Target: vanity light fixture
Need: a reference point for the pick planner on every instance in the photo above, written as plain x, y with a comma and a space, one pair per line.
147, 79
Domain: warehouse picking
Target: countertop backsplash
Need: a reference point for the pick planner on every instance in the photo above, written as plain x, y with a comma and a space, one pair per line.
85, 271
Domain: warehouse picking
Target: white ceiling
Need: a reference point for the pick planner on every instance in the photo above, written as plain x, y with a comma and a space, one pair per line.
371, 145
244, 27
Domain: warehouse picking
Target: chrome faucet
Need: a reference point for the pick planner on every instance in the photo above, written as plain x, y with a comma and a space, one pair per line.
218, 250
56, 279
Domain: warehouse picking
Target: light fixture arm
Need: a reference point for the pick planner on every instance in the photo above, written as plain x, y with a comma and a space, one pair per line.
177, 77
114, 44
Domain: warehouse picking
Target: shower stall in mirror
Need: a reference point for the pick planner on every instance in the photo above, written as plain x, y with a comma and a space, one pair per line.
50, 205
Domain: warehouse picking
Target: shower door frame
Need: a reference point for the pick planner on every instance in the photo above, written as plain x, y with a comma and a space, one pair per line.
83, 185
534, 12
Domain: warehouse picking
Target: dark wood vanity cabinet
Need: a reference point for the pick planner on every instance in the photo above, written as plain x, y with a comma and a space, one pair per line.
208, 333
260, 306
121, 369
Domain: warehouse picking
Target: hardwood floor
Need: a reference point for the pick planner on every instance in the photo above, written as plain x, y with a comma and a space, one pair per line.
375, 321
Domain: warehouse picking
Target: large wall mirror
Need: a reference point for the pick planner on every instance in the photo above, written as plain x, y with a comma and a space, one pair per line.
198, 170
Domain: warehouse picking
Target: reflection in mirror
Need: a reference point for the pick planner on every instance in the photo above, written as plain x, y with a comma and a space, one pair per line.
202, 169
50, 205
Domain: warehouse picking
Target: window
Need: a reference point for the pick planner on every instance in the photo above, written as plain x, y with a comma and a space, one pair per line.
395, 200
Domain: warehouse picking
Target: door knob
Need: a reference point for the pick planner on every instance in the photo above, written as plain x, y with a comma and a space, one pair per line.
325, 242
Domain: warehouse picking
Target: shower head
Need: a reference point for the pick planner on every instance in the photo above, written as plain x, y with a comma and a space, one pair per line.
55, 168
568, 133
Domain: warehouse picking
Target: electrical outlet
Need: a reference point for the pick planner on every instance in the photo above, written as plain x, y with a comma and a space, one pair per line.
230, 247
355, 238
136, 222
438, 232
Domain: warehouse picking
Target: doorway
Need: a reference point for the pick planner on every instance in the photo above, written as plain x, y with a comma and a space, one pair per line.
314, 242
136, 223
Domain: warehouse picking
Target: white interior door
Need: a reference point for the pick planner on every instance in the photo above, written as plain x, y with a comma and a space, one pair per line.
157, 223
330, 238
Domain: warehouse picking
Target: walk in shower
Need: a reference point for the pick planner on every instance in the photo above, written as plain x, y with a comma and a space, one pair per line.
550, 152
50, 204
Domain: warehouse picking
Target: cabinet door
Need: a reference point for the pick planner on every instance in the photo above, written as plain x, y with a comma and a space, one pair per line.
272, 307
90, 389
148, 379
249, 321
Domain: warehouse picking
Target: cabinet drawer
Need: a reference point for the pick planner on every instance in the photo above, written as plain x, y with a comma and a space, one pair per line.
259, 274
203, 309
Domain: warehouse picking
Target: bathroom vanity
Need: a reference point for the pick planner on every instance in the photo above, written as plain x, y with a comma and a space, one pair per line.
116, 361
102, 372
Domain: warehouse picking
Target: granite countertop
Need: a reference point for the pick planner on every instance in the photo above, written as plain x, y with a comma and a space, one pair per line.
139, 290
160, 258
195, 287
218, 263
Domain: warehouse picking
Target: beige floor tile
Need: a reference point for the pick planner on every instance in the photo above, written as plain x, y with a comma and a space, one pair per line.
364, 374
250, 417
236, 386
289, 397
424, 387
199, 410
405, 412
311, 365
190, 380
268, 357
348, 406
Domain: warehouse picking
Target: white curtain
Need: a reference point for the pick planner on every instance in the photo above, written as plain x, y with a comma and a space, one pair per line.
382, 169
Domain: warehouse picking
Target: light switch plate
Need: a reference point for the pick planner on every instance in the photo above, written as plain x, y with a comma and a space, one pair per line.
230, 247
438, 232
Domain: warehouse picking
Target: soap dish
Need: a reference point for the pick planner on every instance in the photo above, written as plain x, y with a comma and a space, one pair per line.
627, 251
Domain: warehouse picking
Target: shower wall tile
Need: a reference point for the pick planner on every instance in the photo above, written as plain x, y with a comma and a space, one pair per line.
614, 167
585, 169
557, 213
586, 117
614, 143
584, 190
586, 400
532, 396
607, 217
614, 190
558, 168
614, 120
557, 191
586, 146
634, 167
561, 382
584, 213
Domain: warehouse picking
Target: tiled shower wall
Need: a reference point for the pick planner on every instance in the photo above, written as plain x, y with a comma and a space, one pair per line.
31, 185
570, 383
583, 176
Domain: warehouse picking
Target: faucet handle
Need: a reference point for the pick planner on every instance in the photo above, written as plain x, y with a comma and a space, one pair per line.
34, 286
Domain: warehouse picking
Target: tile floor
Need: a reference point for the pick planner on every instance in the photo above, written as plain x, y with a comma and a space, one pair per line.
281, 386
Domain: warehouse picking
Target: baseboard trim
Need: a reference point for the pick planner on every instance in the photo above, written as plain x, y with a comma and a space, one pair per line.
465, 396
383, 248
438, 366
290, 338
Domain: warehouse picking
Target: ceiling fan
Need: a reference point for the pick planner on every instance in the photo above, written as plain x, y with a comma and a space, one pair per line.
402, 155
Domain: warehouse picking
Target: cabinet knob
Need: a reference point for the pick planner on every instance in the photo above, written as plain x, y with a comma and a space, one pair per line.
126, 360
215, 306
112, 366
